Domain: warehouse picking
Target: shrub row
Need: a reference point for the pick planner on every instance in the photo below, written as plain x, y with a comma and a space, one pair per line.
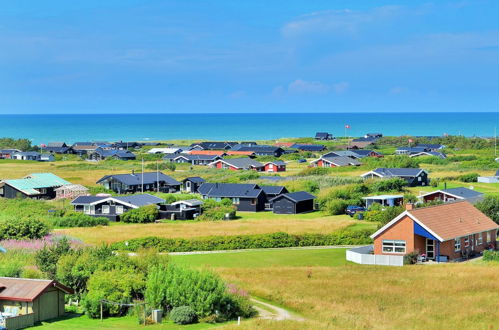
272, 240
79, 220
23, 229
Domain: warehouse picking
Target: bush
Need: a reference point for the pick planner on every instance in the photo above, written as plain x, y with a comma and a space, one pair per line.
335, 207
183, 315
213, 210
470, 177
383, 216
490, 255
143, 214
411, 258
23, 228
490, 207
79, 220
46, 258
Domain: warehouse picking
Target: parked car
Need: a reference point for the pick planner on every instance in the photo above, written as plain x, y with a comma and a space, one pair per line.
351, 210
302, 160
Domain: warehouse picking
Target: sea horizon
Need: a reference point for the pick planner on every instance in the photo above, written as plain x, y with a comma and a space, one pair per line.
70, 128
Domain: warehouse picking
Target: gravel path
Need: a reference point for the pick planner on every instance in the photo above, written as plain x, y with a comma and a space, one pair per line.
272, 312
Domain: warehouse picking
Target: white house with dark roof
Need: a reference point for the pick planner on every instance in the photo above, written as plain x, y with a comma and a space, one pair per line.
413, 176
452, 195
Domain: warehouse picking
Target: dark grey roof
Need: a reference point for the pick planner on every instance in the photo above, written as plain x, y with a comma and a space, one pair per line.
463, 192
136, 179
230, 190
276, 162
363, 152
195, 179
322, 134
388, 172
296, 196
87, 199
430, 145
56, 144
56, 149
309, 147
244, 163
412, 149
123, 154
28, 153
341, 161
274, 190
191, 158
214, 145
257, 148
136, 200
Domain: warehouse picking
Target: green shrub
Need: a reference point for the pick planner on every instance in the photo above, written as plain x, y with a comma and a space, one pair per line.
411, 258
335, 207
214, 211
469, 177
23, 228
490, 207
183, 315
490, 255
46, 258
148, 213
79, 220
383, 216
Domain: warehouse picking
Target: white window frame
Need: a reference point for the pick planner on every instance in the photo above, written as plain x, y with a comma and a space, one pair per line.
457, 244
86, 209
391, 246
489, 237
479, 240
466, 242
106, 209
120, 209
235, 200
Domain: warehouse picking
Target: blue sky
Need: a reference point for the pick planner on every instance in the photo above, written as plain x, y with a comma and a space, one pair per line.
248, 56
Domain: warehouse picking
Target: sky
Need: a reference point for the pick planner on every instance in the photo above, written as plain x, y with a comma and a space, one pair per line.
147, 56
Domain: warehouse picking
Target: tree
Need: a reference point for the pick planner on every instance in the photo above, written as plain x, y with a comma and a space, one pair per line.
490, 207
46, 258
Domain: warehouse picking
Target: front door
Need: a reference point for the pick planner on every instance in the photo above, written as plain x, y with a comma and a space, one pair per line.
430, 249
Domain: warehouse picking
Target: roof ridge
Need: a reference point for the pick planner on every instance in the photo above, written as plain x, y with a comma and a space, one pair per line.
443, 204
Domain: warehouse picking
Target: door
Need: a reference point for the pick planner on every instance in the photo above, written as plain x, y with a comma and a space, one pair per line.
430, 249
188, 186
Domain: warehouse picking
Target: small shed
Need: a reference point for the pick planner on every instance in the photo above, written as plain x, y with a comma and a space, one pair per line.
70, 191
293, 203
384, 200
192, 183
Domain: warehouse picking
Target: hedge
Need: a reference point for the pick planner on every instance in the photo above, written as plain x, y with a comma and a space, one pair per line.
272, 240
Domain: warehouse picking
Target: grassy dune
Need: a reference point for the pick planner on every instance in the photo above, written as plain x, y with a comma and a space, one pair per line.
250, 223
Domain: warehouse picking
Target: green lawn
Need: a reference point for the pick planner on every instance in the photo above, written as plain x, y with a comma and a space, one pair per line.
265, 258
77, 321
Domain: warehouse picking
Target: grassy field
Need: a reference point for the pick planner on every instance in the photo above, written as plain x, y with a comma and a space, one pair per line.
250, 223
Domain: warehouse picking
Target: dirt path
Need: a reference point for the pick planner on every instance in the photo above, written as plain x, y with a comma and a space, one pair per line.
271, 312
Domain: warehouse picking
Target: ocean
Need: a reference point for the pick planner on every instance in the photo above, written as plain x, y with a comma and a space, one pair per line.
244, 126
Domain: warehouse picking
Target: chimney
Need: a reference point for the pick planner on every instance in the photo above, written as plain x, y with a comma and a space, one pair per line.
409, 206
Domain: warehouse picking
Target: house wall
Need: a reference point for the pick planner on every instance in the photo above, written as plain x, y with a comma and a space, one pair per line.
274, 168
447, 247
284, 206
402, 230
304, 206
252, 204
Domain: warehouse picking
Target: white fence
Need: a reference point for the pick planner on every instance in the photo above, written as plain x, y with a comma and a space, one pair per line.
488, 179
363, 255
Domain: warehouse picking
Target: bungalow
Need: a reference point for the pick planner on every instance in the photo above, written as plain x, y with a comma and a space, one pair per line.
213, 145
7, 153
112, 207
181, 210
293, 203
82, 148
413, 176
166, 151
323, 136
27, 155
219, 153
24, 302
58, 148
274, 191
384, 200
121, 145
356, 154
135, 182
262, 150
192, 159
373, 135
102, 154
238, 164
47, 158
35, 185
452, 194
335, 162
443, 232
274, 166
309, 147
192, 183
246, 197
440, 155
410, 150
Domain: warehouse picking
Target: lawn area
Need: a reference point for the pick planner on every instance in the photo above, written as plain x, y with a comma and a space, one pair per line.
77, 321
250, 223
265, 258
486, 188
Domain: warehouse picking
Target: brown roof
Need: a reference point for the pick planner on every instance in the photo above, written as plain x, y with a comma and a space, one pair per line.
452, 220
207, 152
23, 289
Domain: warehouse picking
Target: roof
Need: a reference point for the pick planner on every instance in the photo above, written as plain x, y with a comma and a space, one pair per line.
28, 153
74, 187
164, 150
213, 145
244, 163
274, 190
429, 153
383, 197
30, 183
322, 134
136, 178
190, 157
257, 148
342, 153
309, 147
189, 202
222, 190
447, 221
207, 152
459, 192
398, 172
56, 144
195, 179
341, 161
114, 153
296, 197
131, 200
23, 289
276, 162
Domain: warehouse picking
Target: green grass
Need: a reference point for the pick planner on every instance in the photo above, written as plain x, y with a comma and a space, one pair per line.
77, 321
265, 258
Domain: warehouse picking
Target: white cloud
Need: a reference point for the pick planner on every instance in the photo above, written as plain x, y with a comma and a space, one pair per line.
398, 90
303, 86
341, 87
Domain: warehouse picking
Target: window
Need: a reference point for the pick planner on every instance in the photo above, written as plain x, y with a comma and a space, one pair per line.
479, 239
394, 246
466, 241
119, 209
105, 209
86, 209
457, 244
235, 200
253, 201
489, 237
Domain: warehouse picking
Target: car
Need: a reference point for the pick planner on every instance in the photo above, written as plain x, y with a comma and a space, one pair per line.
302, 160
351, 210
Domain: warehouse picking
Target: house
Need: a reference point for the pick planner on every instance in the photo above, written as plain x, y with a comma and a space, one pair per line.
192, 159
24, 302
58, 148
249, 154
413, 176
35, 185
449, 231
452, 194
409, 150
373, 135
181, 210
355, 154
27, 155
213, 145
238, 164
166, 151
219, 153
7, 153
369, 139
192, 183
429, 153
360, 144
323, 136
309, 147
47, 158
136, 182
82, 148
274, 191
113, 207
70, 191
274, 166
293, 203
335, 161
102, 154
246, 197
261, 150
430, 146
384, 200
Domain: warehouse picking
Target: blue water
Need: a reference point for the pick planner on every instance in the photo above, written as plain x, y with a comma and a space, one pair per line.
132, 127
